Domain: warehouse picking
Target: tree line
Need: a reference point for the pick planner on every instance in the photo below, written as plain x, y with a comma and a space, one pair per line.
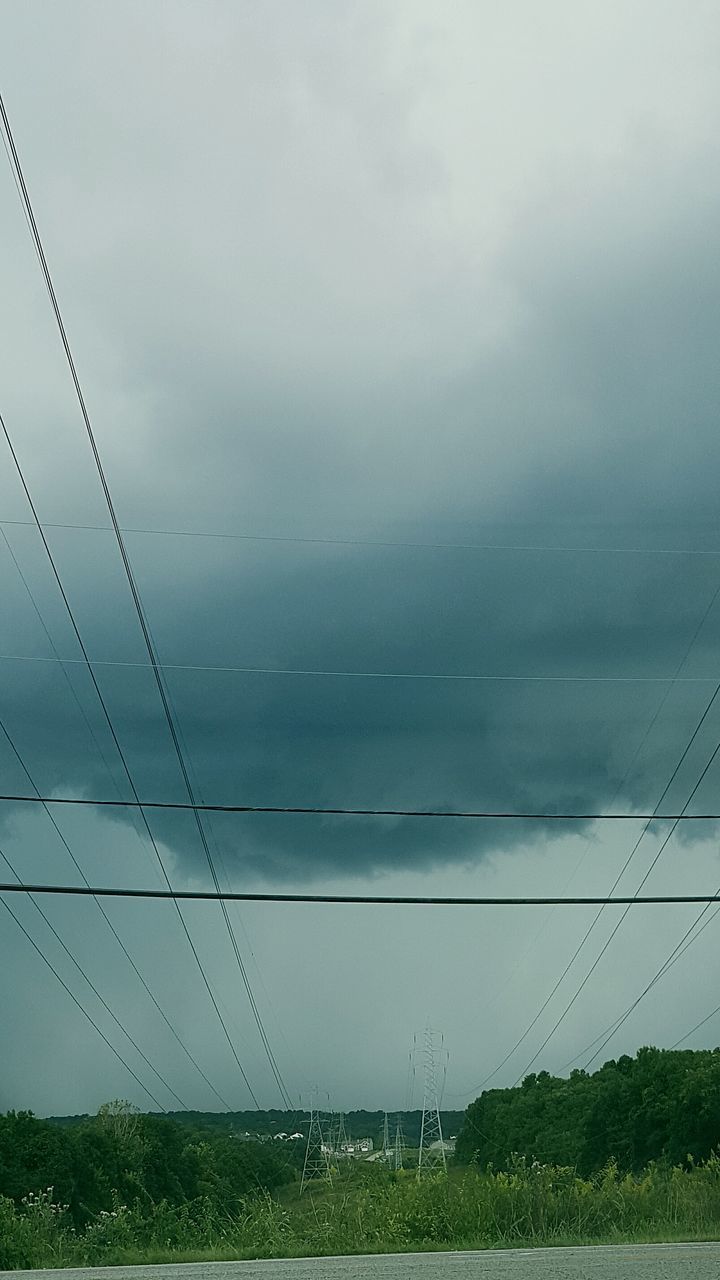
358, 1124
122, 1156
661, 1104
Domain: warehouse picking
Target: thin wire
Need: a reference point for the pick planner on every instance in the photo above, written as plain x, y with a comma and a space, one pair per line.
321, 673
676, 955
678, 950
500, 814
63, 666
113, 930
583, 941
80, 1006
628, 770
269, 1053
134, 591
697, 1027
619, 923
359, 899
118, 747
375, 543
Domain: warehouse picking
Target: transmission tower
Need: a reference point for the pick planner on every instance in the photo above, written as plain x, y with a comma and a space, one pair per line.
338, 1135
431, 1156
316, 1167
397, 1161
386, 1152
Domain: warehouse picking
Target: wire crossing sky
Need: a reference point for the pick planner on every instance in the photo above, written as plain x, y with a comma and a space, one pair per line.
363, 517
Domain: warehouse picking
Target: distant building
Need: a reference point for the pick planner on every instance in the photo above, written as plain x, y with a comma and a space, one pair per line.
353, 1148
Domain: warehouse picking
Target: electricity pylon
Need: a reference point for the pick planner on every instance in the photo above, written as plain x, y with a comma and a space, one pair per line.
316, 1167
386, 1140
338, 1135
431, 1156
397, 1161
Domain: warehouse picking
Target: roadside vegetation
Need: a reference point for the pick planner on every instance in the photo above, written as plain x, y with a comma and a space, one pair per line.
127, 1188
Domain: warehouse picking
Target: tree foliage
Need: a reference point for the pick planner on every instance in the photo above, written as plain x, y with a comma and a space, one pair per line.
661, 1104
120, 1155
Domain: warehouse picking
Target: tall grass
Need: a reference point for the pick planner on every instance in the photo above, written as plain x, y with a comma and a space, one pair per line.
377, 1211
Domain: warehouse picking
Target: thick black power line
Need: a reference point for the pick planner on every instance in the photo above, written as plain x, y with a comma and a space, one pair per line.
118, 747
112, 929
489, 814
358, 899
377, 543
137, 601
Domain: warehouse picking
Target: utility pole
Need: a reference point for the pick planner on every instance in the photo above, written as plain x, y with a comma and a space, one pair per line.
431, 1156
316, 1167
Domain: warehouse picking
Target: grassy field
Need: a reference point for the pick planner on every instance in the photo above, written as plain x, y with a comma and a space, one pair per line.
370, 1210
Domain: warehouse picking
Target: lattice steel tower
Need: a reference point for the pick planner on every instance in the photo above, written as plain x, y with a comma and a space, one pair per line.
397, 1161
316, 1167
431, 1156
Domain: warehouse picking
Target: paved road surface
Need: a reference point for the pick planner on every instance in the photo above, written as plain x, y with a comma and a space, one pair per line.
621, 1262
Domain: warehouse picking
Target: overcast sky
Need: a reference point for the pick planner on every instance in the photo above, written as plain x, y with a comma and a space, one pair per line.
397, 324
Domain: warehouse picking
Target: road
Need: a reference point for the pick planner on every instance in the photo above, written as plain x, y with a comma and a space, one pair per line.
615, 1262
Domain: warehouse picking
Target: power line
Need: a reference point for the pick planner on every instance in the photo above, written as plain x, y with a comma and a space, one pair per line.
359, 899
77, 1002
116, 741
134, 591
697, 1027
651, 818
648, 730
619, 923
63, 665
322, 673
378, 543
113, 931
490, 814
687, 940
677, 953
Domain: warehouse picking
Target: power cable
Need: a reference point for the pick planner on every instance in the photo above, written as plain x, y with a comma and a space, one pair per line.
137, 601
93, 988
63, 665
372, 542
697, 1027
583, 941
81, 1006
626, 774
499, 814
118, 747
687, 940
361, 899
619, 923
114, 931
677, 953
322, 673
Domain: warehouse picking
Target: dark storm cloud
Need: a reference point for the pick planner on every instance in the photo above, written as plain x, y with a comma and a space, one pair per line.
371, 741
380, 273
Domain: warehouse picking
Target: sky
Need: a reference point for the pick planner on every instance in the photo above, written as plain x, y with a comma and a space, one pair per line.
396, 324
